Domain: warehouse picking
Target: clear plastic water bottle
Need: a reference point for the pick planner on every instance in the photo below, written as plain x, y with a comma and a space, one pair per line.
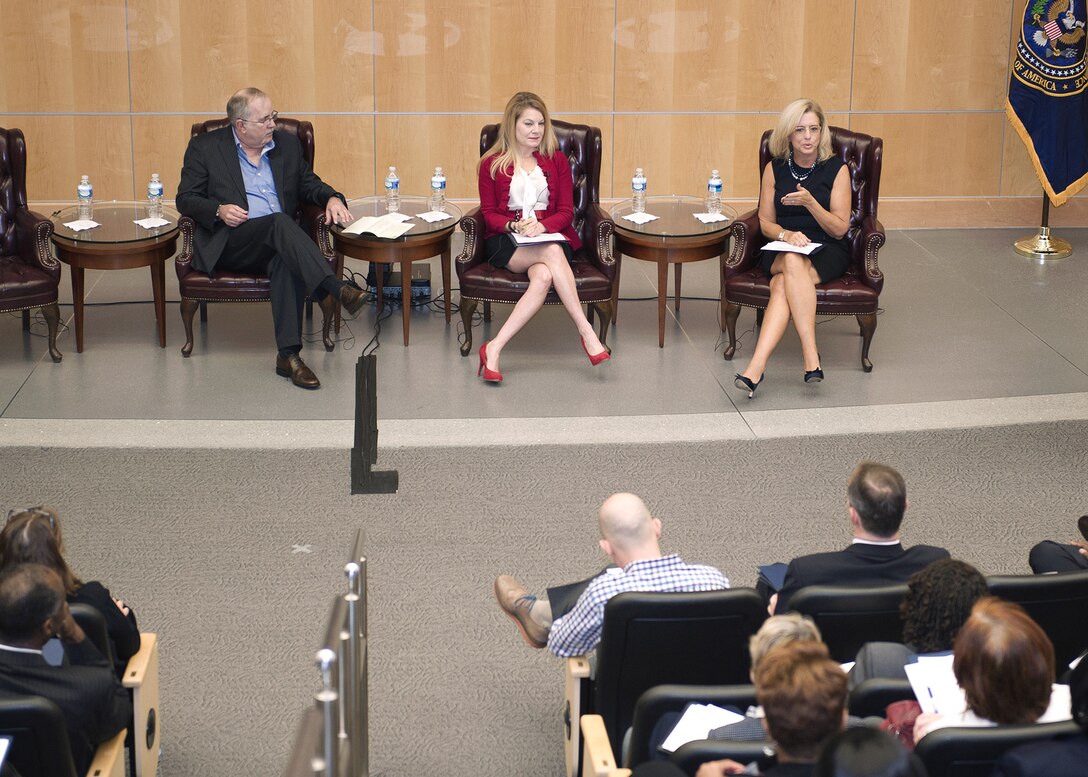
438, 190
392, 191
154, 197
714, 193
85, 193
638, 192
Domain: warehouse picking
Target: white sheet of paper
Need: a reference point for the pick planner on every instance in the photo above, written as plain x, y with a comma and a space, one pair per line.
639, 218
150, 223
710, 218
432, 216
545, 237
696, 723
81, 224
935, 685
782, 245
389, 226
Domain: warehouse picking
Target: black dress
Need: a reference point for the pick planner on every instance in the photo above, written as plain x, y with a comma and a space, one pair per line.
830, 261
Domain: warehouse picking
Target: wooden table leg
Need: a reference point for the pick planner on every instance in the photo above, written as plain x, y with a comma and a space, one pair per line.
77, 304
405, 295
446, 264
616, 288
677, 268
379, 273
158, 291
662, 292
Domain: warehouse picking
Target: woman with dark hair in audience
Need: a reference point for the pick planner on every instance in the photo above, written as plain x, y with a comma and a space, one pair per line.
1064, 757
866, 752
938, 601
34, 536
1004, 663
804, 197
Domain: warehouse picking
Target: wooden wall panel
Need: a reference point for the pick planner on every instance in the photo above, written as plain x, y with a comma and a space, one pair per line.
159, 144
62, 148
1018, 176
922, 55
344, 152
937, 154
453, 55
692, 55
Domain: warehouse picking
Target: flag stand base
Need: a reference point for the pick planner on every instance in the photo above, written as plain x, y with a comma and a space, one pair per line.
1042, 247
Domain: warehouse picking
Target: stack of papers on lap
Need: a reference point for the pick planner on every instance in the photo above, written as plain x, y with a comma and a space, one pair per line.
544, 237
151, 223
935, 685
81, 224
708, 218
782, 245
432, 216
639, 218
389, 226
696, 723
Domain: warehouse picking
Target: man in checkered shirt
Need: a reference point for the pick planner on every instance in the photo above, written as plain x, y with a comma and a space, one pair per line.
569, 619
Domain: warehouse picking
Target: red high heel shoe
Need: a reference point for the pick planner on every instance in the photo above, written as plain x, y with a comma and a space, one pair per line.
596, 358
492, 376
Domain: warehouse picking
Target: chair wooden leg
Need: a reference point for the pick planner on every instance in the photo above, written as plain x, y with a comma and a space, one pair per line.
604, 313
188, 310
203, 312
759, 318
487, 312
328, 315
52, 322
468, 307
26, 320
729, 320
867, 323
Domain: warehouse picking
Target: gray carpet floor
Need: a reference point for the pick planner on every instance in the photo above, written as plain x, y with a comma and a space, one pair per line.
233, 558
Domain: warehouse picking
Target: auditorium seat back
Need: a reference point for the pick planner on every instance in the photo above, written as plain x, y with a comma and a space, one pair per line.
1057, 603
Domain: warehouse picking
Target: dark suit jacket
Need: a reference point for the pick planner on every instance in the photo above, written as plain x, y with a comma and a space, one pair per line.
1065, 757
211, 176
94, 704
858, 565
123, 633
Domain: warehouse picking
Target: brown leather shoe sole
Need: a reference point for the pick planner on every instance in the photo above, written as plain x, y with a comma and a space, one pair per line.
513, 615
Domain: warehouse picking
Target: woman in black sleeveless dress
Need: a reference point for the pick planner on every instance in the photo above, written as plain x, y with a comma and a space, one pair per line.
804, 197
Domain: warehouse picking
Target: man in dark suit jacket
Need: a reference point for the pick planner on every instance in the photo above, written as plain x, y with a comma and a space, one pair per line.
242, 185
877, 500
33, 610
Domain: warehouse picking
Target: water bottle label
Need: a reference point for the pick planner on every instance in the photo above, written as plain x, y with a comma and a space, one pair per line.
438, 184
715, 187
638, 186
392, 185
154, 190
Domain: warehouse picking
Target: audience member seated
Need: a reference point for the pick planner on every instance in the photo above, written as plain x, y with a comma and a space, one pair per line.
569, 620
877, 500
1004, 663
1049, 556
33, 536
1064, 757
803, 695
866, 752
938, 602
32, 611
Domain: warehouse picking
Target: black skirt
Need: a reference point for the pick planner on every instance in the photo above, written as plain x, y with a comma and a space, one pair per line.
499, 248
830, 261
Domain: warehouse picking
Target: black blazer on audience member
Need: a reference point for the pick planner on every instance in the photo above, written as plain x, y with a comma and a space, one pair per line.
122, 630
1065, 757
859, 565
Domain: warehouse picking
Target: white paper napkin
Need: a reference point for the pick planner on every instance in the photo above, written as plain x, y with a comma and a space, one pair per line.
708, 218
81, 225
432, 216
151, 223
639, 218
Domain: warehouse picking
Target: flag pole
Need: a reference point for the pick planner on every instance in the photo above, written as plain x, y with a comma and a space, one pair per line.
1041, 246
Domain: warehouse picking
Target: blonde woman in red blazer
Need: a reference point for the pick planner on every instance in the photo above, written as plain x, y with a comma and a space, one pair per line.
526, 188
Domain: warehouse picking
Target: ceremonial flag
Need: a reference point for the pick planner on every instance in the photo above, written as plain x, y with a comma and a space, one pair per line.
1048, 102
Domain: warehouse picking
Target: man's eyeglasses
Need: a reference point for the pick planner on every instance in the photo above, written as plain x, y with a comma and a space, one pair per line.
35, 511
269, 119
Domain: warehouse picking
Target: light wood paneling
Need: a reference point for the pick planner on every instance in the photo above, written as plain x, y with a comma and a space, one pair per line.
1017, 173
937, 155
453, 55
692, 55
923, 55
344, 153
68, 55
62, 148
159, 144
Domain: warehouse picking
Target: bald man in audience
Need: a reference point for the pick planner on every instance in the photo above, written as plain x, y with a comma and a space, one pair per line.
569, 620
33, 610
876, 502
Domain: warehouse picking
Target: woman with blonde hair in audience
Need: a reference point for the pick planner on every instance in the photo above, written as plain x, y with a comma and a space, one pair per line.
1004, 663
34, 536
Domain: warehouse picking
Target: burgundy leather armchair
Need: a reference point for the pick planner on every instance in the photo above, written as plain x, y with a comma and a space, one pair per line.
29, 275
198, 289
856, 293
594, 265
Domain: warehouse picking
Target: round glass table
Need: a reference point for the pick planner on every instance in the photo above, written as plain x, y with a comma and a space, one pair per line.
116, 244
674, 237
423, 241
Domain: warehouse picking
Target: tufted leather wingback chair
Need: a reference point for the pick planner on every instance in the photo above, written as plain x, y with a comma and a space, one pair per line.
594, 265
198, 289
29, 275
857, 292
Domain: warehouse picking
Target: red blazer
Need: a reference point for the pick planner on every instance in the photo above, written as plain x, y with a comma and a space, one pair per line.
559, 216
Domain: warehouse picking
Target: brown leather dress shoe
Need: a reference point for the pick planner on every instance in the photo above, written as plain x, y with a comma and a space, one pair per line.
516, 602
352, 298
294, 368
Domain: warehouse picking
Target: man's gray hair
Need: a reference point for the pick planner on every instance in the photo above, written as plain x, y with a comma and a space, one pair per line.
238, 104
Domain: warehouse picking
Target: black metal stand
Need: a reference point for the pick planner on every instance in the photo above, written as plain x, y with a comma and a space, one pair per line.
364, 454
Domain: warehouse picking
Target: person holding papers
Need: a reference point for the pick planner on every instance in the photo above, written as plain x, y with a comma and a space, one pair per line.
804, 198
527, 200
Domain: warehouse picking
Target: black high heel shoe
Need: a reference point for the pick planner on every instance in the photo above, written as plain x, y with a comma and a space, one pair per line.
745, 384
814, 376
